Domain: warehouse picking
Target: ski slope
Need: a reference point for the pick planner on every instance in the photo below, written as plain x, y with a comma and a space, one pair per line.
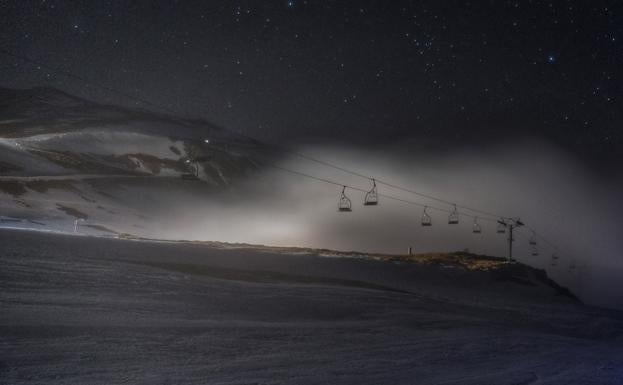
82, 310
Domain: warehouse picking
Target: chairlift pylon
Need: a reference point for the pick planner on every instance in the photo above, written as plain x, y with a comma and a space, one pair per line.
426, 219
453, 218
372, 196
476, 228
344, 204
501, 229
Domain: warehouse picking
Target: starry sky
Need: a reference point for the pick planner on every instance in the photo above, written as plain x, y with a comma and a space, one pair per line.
347, 71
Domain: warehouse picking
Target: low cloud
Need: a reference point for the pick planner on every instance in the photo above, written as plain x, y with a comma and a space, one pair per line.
573, 207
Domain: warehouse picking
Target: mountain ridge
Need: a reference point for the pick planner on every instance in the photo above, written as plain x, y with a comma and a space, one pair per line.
57, 148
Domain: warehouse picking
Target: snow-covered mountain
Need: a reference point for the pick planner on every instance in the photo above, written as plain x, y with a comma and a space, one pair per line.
63, 158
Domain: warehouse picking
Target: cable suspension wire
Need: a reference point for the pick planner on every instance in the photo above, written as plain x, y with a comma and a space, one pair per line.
391, 197
495, 217
393, 185
551, 244
286, 150
379, 181
548, 243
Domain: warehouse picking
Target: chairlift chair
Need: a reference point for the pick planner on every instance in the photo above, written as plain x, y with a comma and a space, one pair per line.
535, 251
533, 239
344, 204
426, 219
476, 228
453, 218
372, 196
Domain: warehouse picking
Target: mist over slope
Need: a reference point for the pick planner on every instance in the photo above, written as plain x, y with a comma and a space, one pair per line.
69, 164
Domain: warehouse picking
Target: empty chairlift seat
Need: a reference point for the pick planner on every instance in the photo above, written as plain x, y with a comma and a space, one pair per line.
426, 219
533, 239
453, 218
476, 228
372, 196
344, 204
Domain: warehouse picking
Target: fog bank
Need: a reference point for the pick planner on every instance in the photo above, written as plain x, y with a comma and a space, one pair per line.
549, 190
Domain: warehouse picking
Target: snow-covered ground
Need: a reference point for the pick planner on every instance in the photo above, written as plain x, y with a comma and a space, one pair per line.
63, 159
83, 310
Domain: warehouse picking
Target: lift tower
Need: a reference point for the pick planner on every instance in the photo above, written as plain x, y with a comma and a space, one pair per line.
510, 224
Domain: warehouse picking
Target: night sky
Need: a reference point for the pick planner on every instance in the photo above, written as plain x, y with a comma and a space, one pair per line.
350, 71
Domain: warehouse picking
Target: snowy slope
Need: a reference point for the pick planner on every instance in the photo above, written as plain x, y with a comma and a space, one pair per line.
94, 160
79, 310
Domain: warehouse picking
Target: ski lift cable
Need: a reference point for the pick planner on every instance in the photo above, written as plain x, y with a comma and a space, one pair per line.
389, 184
70, 74
532, 233
533, 250
521, 234
380, 195
386, 196
541, 236
355, 188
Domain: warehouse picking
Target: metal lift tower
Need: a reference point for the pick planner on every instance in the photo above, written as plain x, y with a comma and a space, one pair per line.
510, 224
